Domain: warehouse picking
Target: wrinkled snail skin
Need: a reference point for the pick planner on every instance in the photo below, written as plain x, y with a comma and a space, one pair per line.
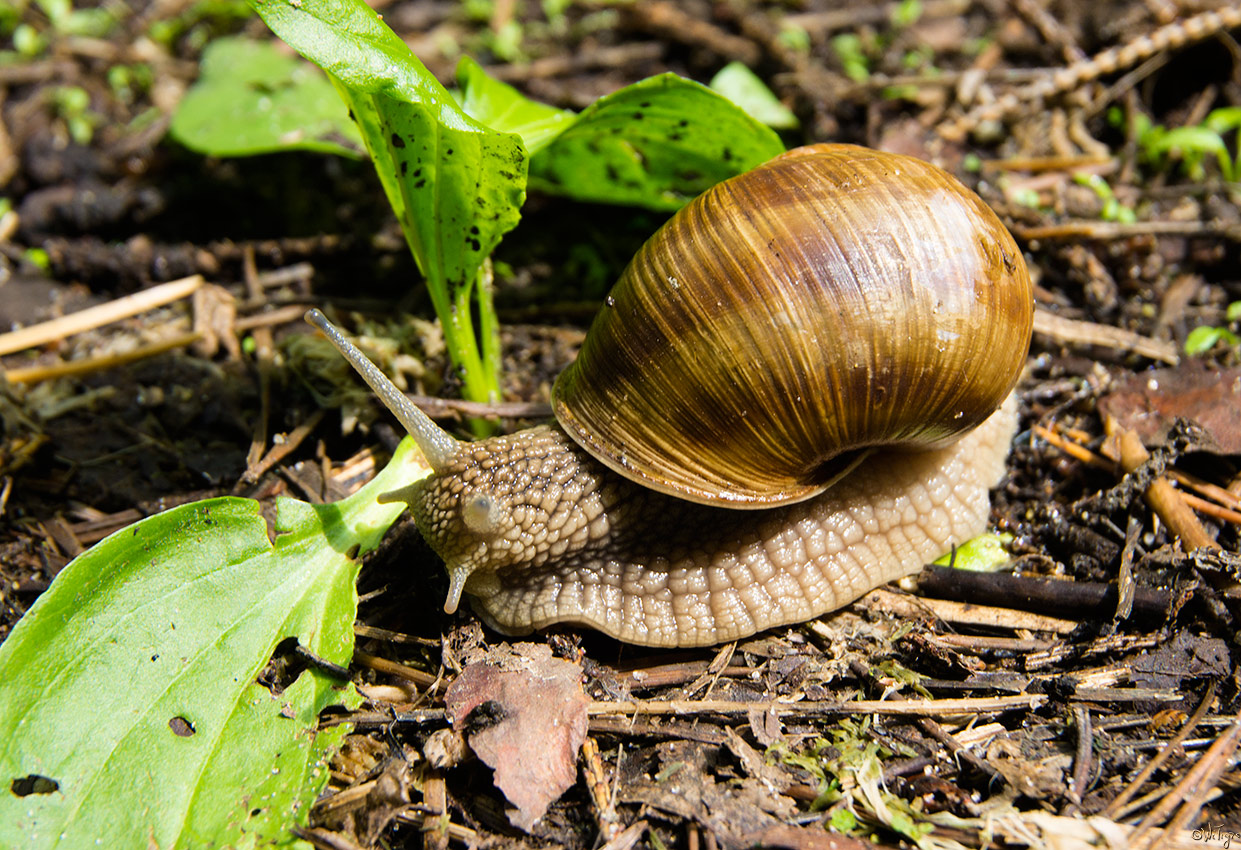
589, 547
830, 340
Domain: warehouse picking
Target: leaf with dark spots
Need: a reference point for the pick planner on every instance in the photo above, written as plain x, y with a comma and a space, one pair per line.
181, 613
525, 715
637, 146
465, 173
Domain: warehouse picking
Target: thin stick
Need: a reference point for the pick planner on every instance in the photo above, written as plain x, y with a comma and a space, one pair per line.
283, 449
103, 314
1163, 498
1073, 332
35, 374
1073, 449
1194, 786
918, 708
395, 668
1114, 808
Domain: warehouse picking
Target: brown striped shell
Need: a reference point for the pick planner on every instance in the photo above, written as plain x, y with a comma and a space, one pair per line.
789, 319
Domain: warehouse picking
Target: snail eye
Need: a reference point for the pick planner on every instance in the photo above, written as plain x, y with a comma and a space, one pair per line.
482, 513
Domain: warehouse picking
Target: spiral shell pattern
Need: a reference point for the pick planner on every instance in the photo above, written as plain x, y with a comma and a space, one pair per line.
787, 320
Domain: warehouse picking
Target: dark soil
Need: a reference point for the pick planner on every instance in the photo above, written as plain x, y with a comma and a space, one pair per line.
976, 87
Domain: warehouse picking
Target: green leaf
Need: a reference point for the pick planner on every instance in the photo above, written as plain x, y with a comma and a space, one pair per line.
456, 185
1224, 119
656, 143
131, 683
1204, 337
743, 87
843, 820
503, 108
1233, 313
252, 99
984, 554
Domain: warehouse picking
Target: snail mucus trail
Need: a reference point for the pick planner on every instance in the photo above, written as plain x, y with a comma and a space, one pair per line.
800, 390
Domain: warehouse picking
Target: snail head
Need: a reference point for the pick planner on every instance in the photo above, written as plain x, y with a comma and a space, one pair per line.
507, 502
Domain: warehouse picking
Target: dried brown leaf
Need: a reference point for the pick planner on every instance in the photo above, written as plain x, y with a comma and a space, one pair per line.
1150, 402
524, 714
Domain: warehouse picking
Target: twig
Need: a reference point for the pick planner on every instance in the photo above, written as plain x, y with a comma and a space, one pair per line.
597, 785
375, 633
821, 23
958, 750
1117, 804
1118, 230
1071, 77
278, 316
964, 613
394, 668
1226, 507
1077, 332
435, 822
1191, 790
983, 643
35, 374
1082, 757
1163, 498
443, 408
1050, 596
668, 20
98, 316
282, 449
918, 708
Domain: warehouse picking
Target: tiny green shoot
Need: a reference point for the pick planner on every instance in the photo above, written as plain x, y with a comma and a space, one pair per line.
1191, 147
1203, 338
852, 56
1113, 209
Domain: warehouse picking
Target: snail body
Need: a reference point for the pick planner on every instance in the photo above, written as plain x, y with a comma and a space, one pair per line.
827, 341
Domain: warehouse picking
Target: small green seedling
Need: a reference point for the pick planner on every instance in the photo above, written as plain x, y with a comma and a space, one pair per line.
1205, 337
1113, 209
1192, 147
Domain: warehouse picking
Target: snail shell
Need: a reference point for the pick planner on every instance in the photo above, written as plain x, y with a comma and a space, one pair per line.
830, 301
763, 350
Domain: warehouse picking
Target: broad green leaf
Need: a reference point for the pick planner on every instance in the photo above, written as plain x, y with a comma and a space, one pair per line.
742, 86
131, 683
456, 185
251, 99
656, 143
501, 107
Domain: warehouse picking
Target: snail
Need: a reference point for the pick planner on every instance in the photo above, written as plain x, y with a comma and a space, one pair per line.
798, 390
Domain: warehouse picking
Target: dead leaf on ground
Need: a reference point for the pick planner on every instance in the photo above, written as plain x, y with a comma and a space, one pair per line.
1150, 402
524, 714
1187, 656
1035, 777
